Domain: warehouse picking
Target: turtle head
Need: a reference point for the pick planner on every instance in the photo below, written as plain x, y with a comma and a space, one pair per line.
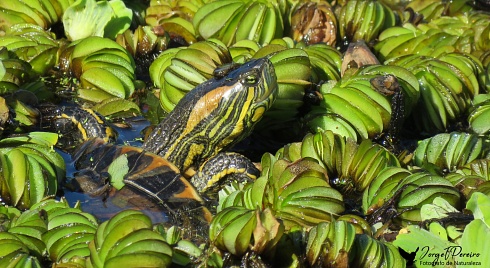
217, 113
258, 83
226, 108
252, 91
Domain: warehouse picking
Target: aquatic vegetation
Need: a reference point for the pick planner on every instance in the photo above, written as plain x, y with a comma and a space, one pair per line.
377, 136
86, 18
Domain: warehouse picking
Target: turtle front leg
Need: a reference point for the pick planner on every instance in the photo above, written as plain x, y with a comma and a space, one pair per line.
222, 169
90, 182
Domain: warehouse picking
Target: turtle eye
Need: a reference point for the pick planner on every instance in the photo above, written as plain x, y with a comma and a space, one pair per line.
250, 79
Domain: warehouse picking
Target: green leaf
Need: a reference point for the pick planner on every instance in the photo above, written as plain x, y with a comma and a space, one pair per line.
479, 204
437, 210
117, 170
186, 247
2, 71
439, 230
49, 138
454, 233
474, 245
121, 20
86, 18
117, 107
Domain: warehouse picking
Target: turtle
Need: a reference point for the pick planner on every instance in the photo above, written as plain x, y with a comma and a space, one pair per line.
75, 124
183, 161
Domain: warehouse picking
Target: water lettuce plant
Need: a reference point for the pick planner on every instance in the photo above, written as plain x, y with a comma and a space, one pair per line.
90, 18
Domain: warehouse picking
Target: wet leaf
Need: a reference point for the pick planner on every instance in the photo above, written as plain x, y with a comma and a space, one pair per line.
117, 170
